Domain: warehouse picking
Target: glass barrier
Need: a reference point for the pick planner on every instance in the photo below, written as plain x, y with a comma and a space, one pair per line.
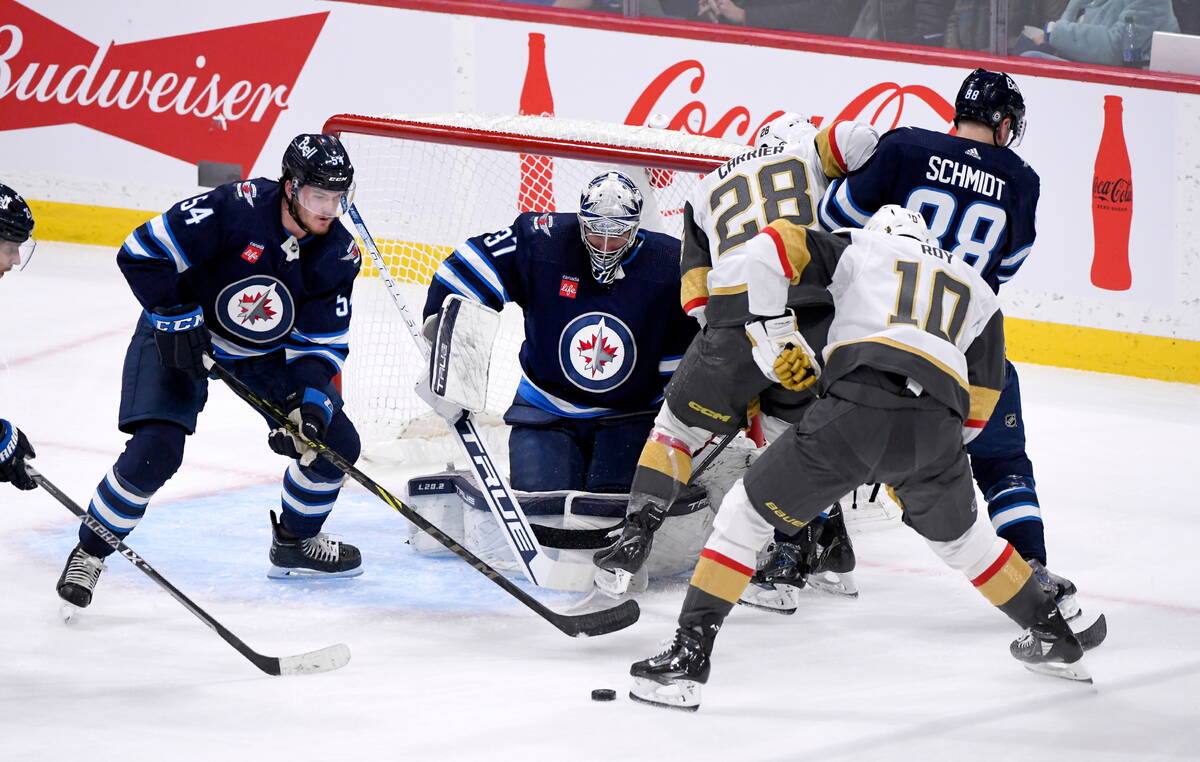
1107, 32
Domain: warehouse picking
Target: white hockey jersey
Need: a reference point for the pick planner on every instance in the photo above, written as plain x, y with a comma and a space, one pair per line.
733, 203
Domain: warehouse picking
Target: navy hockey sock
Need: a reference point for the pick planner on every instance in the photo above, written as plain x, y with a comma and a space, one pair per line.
1017, 517
307, 498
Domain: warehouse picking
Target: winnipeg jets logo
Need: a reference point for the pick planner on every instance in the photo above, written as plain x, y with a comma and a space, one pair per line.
5, 200
258, 309
597, 352
247, 191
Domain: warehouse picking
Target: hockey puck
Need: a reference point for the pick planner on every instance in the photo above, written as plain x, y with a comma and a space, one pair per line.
604, 694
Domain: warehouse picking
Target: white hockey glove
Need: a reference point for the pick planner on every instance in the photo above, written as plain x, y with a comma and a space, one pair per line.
781, 353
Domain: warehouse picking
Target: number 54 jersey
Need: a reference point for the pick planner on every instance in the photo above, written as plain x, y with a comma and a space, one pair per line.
734, 202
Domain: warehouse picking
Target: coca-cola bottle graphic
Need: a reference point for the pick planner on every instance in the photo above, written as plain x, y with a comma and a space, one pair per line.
1112, 203
537, 172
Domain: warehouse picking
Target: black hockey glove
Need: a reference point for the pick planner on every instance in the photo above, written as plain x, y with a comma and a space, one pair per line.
14, 449
311, 410
182, 338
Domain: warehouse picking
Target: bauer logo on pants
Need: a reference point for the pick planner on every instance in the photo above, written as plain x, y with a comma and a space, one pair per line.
597, 352
258, 309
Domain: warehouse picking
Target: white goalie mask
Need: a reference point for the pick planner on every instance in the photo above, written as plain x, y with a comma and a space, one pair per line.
894, 219
610, 212
787, 129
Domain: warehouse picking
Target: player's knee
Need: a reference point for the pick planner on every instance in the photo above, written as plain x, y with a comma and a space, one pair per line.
974, 550
668, 423
738, 528
152, 455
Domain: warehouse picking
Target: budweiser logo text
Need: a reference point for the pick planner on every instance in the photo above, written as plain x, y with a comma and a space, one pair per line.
206, 95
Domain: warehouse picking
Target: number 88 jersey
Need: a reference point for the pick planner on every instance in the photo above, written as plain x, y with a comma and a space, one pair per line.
780, 179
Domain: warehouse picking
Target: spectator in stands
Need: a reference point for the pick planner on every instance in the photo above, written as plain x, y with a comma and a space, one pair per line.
1188, 13
1093, 31
812, 16
919, 22
645, 7
970, 24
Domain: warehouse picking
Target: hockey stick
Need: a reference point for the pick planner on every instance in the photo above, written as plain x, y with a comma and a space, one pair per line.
593, 623
321, 660
594, 539
537, 566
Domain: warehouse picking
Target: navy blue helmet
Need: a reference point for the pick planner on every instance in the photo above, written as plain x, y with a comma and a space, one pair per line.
989, 97
319, 161
16, 221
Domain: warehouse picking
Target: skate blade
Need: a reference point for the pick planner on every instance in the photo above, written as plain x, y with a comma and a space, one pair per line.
777, 599
835, 584
613, 583
1074, 671
283, 572
683, 695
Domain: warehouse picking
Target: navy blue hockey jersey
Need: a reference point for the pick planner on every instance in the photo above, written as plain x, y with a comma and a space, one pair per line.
260, 289
979, 200
589, 350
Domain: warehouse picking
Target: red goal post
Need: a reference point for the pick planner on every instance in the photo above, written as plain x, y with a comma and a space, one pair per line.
425, 183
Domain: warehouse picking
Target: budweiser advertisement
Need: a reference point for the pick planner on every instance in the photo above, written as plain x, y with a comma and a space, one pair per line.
214, 94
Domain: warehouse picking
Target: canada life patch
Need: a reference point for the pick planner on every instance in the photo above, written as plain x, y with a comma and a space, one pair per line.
258, 309
252, 252
569, 287
597, 352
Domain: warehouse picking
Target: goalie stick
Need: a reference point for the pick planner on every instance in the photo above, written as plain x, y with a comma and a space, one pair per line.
536, 564
321, 660
575, 625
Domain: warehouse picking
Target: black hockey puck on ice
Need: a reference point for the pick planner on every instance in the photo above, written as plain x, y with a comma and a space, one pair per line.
604, 694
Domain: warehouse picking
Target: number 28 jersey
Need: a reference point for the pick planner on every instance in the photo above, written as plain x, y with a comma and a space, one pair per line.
979, 200
737, 200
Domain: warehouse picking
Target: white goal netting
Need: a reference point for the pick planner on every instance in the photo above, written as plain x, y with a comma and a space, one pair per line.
426, 183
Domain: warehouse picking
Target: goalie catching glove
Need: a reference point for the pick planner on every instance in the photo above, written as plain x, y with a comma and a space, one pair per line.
781, 353
311, 410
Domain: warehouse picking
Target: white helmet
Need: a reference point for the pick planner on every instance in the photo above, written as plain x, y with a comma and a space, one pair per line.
894, 219
787, 129
610, 212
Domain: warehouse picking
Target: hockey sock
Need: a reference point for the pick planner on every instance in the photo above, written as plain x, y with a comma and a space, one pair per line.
307, 498
664, 467
1017, 517
152, 455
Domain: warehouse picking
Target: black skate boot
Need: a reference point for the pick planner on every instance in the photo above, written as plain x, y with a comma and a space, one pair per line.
832, 558
1061, 588
1050, 647
673, 678
617, 564
78, 580
316, 556
781, 575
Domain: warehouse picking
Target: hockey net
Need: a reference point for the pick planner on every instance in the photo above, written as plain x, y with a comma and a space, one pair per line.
426, 183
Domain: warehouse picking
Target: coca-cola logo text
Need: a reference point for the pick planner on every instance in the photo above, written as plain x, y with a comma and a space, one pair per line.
207, 95
880, 105
1119, 191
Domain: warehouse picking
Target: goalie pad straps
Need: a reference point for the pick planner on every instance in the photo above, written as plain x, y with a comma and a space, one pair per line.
462, 352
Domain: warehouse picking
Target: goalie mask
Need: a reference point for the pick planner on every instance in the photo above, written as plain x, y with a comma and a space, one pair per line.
894, 219
321, 174
610, 212
786, 129
16, 226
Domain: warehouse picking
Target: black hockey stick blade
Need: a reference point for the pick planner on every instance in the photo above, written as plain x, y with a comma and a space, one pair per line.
575, 625
322, 660
1094, 634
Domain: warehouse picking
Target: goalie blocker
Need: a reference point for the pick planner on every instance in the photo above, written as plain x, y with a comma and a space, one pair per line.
461, 354
453, 502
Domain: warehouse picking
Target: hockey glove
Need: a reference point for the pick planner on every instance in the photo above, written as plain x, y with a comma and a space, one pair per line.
182, 338
14, 450
446, 409
311, 410
781, 353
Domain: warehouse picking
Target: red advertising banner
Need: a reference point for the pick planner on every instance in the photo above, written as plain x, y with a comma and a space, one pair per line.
211, 95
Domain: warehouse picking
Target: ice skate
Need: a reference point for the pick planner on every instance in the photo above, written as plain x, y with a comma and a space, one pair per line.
1049, 647
316, 556
672, 679
1061, 588
831, 558
778, 580
618, 565
78, 580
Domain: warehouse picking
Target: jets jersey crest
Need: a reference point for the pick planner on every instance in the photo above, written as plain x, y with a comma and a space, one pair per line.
597, 352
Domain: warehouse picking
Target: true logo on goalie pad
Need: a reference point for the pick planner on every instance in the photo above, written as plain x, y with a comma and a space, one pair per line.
597, 352
258, 309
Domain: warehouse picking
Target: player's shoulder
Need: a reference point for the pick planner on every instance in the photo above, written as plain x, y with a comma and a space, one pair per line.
242, 196
655, 260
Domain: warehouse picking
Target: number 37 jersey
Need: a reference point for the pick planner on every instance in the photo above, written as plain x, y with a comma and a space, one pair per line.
737, 200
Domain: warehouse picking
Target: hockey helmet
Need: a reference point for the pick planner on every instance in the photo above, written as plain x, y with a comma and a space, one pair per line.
610, 212
786, 129
16, 227
894, 219
989, 97
321, 174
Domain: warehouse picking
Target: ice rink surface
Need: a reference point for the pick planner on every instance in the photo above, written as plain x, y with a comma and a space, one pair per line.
446, 666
